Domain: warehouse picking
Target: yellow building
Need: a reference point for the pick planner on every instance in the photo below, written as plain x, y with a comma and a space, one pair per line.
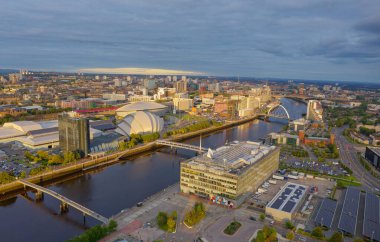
230, 173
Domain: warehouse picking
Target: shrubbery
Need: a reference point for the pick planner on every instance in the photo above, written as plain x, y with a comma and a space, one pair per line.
195, 215
167, 222
95, 233
266, 234
232, 228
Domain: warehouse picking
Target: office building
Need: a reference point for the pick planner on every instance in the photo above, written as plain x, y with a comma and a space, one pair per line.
314, 111
150, 84
229, 174
183, 104
74, 133
181, 86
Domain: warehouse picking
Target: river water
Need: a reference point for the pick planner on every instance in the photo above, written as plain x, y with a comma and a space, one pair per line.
116, 187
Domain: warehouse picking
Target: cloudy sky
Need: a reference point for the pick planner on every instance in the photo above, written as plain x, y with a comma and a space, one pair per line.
320, 40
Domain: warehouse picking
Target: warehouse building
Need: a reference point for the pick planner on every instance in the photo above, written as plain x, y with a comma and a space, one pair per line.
286, 202
230, 173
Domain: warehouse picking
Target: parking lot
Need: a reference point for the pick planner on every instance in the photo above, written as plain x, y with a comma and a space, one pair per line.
13, 159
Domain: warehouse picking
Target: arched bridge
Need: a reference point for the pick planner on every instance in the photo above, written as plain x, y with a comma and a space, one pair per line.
181, 145
278, 111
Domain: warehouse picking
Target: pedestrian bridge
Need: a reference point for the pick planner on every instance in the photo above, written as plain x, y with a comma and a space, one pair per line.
181, 145
66, 200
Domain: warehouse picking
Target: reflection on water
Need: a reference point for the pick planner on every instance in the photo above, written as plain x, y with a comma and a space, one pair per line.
116, 187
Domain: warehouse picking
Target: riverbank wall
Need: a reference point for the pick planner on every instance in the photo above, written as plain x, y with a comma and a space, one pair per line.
88, 163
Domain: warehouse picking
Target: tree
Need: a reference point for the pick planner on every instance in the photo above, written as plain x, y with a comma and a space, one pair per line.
123, 146
289, 225
318, 233
336, 237
5, 177
171, 224
262, 217
290, 235
55, 160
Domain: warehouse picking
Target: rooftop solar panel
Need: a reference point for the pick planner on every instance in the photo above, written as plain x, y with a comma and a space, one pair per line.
288, 206
371, 223
348, 217
326, 212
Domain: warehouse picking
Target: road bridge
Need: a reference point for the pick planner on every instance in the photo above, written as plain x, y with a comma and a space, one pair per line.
66, 201
181, 145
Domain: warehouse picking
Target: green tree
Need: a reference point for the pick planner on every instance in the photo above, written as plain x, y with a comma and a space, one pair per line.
262, 217
336, 237
5, 177
318, 233
123, 146
55, 160
171, 224
289, 225
290, 235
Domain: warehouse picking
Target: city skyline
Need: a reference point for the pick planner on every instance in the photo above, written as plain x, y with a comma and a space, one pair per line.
318, 40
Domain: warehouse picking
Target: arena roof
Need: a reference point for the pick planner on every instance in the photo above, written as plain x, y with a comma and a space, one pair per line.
348, 217
288, 198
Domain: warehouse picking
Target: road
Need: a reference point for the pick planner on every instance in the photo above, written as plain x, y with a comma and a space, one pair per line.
348, 154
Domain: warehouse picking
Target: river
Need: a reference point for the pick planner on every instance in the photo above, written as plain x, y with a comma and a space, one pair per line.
109, 190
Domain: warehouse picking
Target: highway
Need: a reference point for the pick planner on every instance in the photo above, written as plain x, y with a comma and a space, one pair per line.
348, 155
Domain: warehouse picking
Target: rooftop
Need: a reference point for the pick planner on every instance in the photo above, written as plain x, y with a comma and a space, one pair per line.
348, 217
234, 158
288, 198
140, 106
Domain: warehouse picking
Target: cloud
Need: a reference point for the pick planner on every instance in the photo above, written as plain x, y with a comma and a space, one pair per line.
221, 37
139, 71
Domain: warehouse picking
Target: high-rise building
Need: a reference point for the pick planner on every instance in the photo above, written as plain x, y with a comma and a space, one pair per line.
184, 78
181, 86
150, 84
74, 134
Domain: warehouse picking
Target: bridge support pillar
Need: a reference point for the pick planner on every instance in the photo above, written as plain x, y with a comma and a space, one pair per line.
39, 196
84, 218
63, 207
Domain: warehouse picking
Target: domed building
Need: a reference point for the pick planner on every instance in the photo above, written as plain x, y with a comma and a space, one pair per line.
152, 107
140, 122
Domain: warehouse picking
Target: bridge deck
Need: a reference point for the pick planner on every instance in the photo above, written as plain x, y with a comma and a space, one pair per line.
180, 145
66, 200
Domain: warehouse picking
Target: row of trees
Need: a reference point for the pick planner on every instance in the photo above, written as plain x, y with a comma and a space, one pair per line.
5, 177
366, 131
136, 139
44, 158
96, 233
167, 222
195, 215
194, 127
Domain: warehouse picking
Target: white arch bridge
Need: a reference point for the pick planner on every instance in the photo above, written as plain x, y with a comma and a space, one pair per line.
181, 145
278, 111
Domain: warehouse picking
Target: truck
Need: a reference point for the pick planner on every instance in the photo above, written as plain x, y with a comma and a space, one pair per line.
277, 177
272, 181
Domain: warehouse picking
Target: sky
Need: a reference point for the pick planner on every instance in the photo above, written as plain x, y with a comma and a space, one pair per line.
319, 40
